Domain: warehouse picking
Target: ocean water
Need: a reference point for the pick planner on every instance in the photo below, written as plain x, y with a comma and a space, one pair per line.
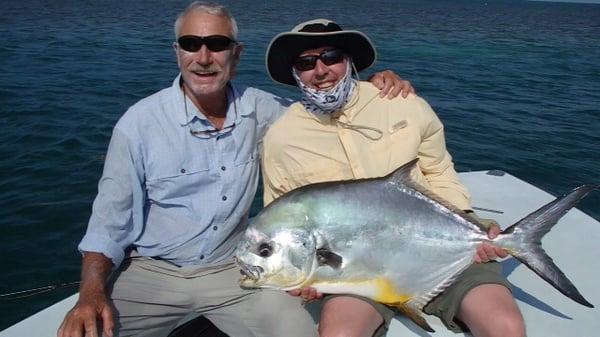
516, 83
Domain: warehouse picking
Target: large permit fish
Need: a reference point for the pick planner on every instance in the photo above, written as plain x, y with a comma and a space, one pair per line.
386, 238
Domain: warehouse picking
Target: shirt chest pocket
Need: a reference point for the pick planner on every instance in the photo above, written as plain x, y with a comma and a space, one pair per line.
405, 139
245, 158
399, 144
178, 175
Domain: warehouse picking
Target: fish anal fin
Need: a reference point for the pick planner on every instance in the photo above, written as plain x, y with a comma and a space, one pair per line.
389, 295
414, 316
381, 290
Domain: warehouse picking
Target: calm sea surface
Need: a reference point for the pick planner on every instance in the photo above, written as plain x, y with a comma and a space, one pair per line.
517, 85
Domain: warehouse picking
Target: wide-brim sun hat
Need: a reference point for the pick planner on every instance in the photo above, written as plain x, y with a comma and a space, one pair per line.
285, 47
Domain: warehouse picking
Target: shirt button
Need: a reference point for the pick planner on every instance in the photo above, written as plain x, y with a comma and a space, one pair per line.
223, 168
201, 257
215, 228
224, 198
182, 170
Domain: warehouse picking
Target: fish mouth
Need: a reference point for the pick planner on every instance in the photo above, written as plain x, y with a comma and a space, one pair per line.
250, 273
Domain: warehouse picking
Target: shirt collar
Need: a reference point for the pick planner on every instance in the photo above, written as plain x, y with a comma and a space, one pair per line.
235, 109
363, 94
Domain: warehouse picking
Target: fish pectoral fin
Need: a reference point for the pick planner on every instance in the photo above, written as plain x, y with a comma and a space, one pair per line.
414, 315
329, 258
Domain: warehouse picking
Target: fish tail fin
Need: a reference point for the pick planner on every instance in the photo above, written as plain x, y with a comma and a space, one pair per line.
527, 234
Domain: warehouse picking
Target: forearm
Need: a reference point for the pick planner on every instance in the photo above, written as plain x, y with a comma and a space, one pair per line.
95, 270
93, 304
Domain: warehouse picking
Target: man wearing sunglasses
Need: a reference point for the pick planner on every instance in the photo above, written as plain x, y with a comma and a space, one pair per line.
340, 130
179, 179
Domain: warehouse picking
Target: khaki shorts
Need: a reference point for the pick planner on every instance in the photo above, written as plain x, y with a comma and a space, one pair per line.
152, 296
446, 304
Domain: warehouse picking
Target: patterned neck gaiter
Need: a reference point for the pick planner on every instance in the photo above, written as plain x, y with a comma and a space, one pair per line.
327, 101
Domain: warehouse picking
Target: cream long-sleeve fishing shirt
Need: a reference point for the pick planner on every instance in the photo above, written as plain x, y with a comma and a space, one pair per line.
371, 137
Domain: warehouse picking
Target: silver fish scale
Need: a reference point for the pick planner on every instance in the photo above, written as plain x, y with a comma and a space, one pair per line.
418, 245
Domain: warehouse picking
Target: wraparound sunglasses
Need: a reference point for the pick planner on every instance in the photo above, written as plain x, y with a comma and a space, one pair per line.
216, 43
328, 57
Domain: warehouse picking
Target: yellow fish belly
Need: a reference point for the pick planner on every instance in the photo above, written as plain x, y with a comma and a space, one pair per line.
379, 289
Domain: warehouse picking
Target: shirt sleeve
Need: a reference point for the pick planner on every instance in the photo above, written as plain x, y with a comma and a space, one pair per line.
117, 211
436, 163
273, 106
273, 181
269, 108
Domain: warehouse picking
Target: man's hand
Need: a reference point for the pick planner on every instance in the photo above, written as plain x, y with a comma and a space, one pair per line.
486, 251
81, 320
391, 84
93, 303
307, 294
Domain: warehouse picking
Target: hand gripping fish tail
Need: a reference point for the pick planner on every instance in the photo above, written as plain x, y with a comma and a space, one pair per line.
523, 241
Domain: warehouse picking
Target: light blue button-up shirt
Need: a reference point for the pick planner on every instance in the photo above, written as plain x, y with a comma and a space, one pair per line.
175, 188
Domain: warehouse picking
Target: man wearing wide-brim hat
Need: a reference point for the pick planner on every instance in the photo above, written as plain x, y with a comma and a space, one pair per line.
341, 129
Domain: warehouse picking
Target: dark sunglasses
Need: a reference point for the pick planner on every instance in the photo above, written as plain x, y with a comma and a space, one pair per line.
328, 57
193, 43
210, 133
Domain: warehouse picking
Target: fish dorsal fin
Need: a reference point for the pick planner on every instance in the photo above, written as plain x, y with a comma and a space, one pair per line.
414, 316
402, 175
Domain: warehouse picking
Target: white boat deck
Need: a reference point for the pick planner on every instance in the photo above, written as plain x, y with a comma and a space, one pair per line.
573, 244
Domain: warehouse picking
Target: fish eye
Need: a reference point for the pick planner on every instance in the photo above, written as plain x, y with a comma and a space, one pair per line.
265, 250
